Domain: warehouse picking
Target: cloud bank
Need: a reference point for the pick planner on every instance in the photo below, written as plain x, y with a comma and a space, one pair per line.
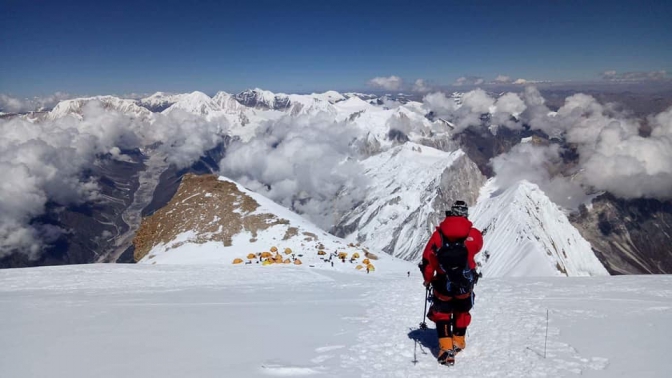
302, 163
9, 104
612, 153
43, 162
635, 76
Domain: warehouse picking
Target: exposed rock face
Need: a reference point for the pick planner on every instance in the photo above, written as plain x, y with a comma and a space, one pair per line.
260, 99
481, 144
629, 236
212, 210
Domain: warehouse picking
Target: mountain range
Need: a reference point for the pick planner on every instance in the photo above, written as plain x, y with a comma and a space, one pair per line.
411, 165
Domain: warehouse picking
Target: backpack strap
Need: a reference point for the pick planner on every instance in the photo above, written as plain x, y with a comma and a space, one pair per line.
443, 240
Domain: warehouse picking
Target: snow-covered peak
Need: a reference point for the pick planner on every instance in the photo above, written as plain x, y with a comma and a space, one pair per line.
197, 103
409, 187
263, 99
228, 102
354, 104
75, 107
526, 234
329, 96
160, 101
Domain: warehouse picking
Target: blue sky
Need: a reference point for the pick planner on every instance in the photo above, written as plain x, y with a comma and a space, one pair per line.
90, 47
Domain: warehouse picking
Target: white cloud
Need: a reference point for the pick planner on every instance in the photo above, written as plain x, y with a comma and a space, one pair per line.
469, 80
475, 103
420, 86
391, 83
612, 154
478, 101
533, 163
520, 81
502, 79
9, 104
301, 163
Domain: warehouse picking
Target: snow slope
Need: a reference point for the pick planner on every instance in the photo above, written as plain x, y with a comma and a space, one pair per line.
281, 229
526, 234
236, 321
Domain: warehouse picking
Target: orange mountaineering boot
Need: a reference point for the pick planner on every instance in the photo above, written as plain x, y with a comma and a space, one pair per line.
446, 352
459, 343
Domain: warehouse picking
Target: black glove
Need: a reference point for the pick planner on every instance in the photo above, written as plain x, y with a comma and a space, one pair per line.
476, 275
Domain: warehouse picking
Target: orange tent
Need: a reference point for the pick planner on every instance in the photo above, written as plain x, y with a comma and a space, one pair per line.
371, 268
297, 262
238, 261
359, 267
366, 261
266, 255
274, 249
287, 261
355, 255
321, 253
288, 251
251, 256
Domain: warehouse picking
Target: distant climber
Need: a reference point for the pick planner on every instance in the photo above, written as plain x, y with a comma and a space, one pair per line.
408, 274
448, 266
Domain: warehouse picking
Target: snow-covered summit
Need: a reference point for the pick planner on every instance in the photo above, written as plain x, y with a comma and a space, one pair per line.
262, 99
75, 107
160, 101
410, 186
228, 103
329, 96
526, 234
197, 103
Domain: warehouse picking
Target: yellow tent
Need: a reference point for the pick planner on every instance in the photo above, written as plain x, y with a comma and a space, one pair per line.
371, 268
355, 256
274, 249
287, 261
359, 267
266, 255
267, 262
366, 261
297, 262
238, 261
251, 256
288, 251
321, 253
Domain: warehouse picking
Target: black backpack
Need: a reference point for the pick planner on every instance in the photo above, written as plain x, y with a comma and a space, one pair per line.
453, 259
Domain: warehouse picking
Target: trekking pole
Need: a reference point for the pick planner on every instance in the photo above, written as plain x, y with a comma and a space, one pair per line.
423, 325
546, 338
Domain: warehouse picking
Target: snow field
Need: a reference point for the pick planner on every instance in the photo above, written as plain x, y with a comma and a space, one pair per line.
225, 320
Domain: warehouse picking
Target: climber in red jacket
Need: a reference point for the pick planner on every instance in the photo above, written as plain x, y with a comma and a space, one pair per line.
448, 266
